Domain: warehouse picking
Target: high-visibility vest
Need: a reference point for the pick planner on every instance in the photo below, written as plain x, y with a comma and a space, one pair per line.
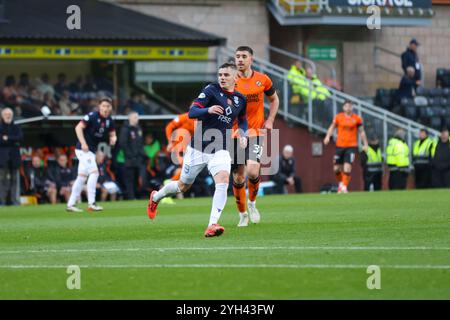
374, 160
297, 79
321, 92
433, 148
422, 151
397, 154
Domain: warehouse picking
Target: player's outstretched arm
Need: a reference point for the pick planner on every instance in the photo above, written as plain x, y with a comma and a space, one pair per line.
326, 141
79, 130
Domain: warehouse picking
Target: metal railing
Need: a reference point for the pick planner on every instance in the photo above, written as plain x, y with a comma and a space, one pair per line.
311, 63
293, 7
317, 115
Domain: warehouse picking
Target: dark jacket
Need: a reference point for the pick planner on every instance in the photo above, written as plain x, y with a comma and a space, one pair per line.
441, 159
37, 178
130, 141
406, 88
410, 59
286, 169
62, 177
10, 149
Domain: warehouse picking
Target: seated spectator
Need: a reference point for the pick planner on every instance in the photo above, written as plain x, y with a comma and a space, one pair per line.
61, 84
67, 106
9, 91
38, 181
89, 84
135, 104
24, 87
51, 103
286, 172
106, 184
407, 88
76, 87
44, 85
63, 176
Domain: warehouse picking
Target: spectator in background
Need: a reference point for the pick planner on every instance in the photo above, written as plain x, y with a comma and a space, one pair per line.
24, 87
44, 85
63, 177
50, 102
286, 173
66, 105
39, 182
407, 87
296, 77
397, 158
151, 148
106, 184
130, 141
61, 84
89, 84
440, 153
9, 91
319, 91
76, 87
10, 138
372, 164
411, 59
136, 105
422, 160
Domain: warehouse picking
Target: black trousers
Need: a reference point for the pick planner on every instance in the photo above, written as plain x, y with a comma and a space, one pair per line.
422, 177
131, 182
398, 180
281, 184
9, 186
373, 178
441, 178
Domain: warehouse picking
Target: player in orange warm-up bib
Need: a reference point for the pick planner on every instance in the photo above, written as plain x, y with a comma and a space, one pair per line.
347, 124
254, 86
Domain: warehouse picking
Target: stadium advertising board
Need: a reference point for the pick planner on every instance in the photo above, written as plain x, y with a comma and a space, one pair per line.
107, 52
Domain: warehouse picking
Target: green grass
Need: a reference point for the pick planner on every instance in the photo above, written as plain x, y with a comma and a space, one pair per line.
306, 247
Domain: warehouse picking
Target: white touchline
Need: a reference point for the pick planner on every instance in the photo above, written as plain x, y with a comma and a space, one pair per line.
162, 249
228, 266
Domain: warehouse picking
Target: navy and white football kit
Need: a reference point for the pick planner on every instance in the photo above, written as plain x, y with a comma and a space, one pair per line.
97, 130
213, 133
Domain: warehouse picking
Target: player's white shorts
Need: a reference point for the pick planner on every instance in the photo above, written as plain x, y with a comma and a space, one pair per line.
194, 161
86, 162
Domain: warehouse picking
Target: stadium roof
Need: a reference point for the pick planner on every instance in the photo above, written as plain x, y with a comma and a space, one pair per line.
31, 20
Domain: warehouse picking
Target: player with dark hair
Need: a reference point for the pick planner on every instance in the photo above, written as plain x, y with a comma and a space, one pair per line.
347, 124
217, 106
94, 128
254, 85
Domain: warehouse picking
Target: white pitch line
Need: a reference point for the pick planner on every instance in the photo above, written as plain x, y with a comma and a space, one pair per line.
288, 248
229, 266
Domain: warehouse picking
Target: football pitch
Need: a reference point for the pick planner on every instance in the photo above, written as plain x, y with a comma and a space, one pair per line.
308, 246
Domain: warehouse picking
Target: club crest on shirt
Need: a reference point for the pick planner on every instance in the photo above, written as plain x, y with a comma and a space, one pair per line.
236, 101
258, 83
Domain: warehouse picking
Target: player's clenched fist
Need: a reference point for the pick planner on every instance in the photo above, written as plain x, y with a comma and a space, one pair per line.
215, 109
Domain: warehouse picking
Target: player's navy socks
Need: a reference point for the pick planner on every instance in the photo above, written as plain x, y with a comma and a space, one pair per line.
169, 189
76, 190
219, 201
